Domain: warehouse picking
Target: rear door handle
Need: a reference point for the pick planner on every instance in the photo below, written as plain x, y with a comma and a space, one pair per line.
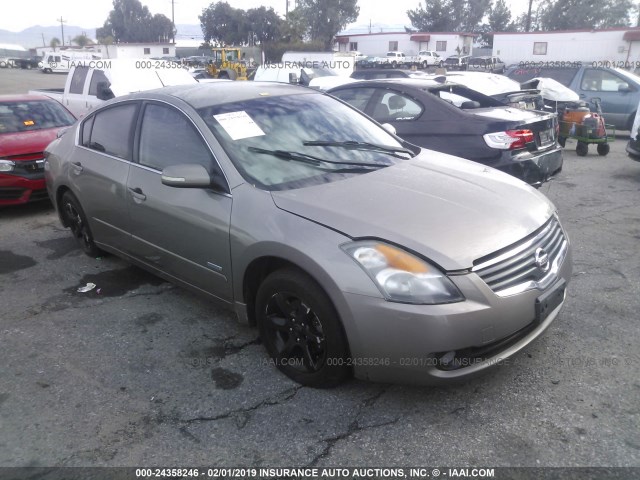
137, 194
77, 166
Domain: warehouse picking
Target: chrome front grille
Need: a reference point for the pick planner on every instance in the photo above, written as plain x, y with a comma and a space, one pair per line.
522, 266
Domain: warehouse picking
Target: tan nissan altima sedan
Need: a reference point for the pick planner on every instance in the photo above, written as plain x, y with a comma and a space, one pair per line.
352, 251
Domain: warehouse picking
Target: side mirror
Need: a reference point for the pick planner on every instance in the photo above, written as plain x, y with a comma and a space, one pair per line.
624, 87
103, 91
293, 78
389, 128
470, 104
187, 175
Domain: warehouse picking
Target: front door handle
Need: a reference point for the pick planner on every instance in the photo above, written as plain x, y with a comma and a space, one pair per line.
77, 167
137, 194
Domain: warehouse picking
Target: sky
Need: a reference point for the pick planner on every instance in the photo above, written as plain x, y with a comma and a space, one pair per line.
93, 13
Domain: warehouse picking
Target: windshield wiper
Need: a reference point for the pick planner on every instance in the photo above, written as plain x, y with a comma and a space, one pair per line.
315, 161
353, 145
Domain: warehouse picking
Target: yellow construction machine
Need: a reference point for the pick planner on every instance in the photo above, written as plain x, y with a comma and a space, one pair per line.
228, 63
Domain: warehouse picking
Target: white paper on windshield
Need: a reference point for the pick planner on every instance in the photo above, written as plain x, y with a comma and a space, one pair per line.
239, 125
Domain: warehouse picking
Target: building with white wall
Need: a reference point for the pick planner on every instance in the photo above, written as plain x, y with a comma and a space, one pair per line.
444, 43
122, 50
614, 45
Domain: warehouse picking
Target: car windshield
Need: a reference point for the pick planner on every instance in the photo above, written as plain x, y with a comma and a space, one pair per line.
286, 142
26, 116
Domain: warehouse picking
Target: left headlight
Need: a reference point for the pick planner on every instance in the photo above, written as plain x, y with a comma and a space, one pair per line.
7, 165
401, 276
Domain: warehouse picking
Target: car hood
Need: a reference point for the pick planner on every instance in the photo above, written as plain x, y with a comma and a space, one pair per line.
24, 143
449, 210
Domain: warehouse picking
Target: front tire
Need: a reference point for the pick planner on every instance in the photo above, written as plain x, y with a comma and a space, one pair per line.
603, 149
76, 220
582, 149
300, 329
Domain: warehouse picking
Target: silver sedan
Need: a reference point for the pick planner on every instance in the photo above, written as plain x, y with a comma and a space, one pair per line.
352, 251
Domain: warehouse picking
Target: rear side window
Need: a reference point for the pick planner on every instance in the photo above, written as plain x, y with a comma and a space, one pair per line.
112, 130
98, 76
400, 107
77, 81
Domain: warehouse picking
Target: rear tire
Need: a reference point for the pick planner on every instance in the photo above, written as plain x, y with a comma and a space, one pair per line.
582, 149
76, 220
425, 64
300, 329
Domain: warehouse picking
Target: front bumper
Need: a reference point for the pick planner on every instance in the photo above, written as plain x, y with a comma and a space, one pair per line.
15, 189
401, 343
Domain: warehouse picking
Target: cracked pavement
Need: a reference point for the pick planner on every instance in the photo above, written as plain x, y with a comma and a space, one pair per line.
143, 373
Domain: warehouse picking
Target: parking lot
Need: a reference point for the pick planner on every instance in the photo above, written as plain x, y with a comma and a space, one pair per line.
138, 372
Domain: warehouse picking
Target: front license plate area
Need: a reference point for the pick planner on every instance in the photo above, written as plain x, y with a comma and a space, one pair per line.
548, 301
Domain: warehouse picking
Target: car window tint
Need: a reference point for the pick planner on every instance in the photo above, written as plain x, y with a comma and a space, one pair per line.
356, 97
112, 130
77, 81
601, 81
98, 76
169, 138
399, 107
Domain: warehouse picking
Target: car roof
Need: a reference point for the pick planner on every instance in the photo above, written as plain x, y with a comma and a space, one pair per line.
419, 83
23, 97
201, 95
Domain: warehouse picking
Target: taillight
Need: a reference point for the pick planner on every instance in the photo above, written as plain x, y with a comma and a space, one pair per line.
509, 140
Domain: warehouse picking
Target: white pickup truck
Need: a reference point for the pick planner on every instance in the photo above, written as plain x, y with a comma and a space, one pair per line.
424, 59
92, 82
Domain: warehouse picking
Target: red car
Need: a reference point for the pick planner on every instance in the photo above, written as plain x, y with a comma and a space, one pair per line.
28, 123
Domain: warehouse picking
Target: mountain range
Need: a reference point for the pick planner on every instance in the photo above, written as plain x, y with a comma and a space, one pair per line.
33, 36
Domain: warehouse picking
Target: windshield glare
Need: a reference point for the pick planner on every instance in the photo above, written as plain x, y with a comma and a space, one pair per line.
284, 123
27, 116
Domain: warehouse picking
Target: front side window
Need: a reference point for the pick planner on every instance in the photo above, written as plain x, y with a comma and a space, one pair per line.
292, 141
112, 130
169, 138
601, 81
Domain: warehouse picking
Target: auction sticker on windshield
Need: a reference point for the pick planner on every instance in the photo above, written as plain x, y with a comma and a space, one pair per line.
239, 125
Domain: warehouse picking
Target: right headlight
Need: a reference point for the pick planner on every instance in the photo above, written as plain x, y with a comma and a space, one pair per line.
401, 276
7, 165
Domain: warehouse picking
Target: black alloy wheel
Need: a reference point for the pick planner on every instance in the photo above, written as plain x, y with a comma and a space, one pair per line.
301, 330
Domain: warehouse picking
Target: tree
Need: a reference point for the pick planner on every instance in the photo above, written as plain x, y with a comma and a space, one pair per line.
573, 14
499, 21
82, 40
449, 15
54, 43
130, 21
223, 24
325, 18
264, 24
